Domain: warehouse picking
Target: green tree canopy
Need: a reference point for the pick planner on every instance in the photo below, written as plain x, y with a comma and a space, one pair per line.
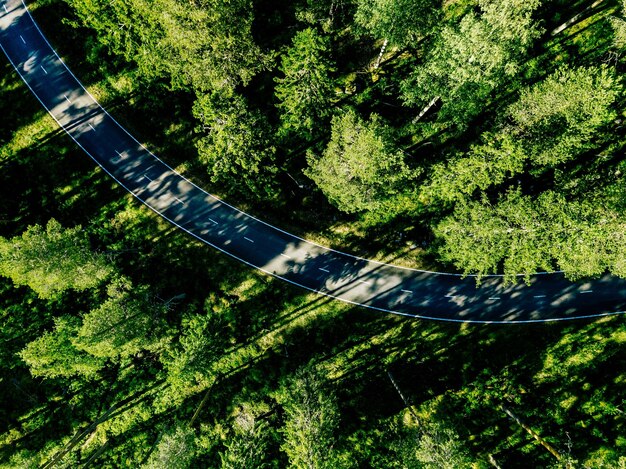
236, 146
552, 122
619, 29
311, 417
247, 446
54, 355
360, 166
524, 236
175, 449
129, 321
466, 62
52, 260
207, 45
401, 22
305, 90
558, 118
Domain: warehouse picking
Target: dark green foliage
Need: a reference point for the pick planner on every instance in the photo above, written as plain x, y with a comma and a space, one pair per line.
55, 355
205, 45
305, 90
236, 145
525, 235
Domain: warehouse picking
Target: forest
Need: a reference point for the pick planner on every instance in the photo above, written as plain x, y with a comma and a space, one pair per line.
466, 136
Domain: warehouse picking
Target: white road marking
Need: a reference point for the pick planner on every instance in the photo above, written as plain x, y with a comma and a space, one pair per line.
407, 291
248, 239
539, 296
213, 221
494, 298
587, 291
5, 8
450, 296
146, 177
92, 128
324, 270
68, 99
285, 255
180, 201
22, 39
365, 282
44, 70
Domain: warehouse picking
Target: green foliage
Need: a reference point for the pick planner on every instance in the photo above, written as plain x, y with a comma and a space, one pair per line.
552, 122
236, 148
175, 450
524, 235
306, 89
311, 418
619, 29
468, 61
129, 321
434, 445
499, 157
360, 166
401, 22
205, 45
52, 260
202, 341
54, 354
558, 118
248, 445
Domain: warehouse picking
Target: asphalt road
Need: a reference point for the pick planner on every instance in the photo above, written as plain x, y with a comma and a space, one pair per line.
384, 287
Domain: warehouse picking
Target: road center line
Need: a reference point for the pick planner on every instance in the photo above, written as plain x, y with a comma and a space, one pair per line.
180, 201
365, 282
213, 221
44, 70
5, 8
22, 38
92, 128
407, 291
539, 296
68, 99
151, 180
450, 296
324, 270
587, 291
494, 298
248, 239
119, 154
285, 255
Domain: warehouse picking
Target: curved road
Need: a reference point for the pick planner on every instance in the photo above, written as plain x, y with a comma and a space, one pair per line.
384, 287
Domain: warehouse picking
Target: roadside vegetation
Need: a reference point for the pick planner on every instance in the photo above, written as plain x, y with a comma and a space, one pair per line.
478, 135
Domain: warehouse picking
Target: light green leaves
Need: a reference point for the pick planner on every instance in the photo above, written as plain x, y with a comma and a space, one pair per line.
359, 168
52, 260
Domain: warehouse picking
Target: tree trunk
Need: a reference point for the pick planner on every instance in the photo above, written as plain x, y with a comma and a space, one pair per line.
575, 18
380, 55
534, 434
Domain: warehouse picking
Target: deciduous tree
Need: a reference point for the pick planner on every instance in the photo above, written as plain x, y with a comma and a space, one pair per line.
311, 418
52, 260
468, 61
236, 146
305, 90
360, 166
54, 355
130, 320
